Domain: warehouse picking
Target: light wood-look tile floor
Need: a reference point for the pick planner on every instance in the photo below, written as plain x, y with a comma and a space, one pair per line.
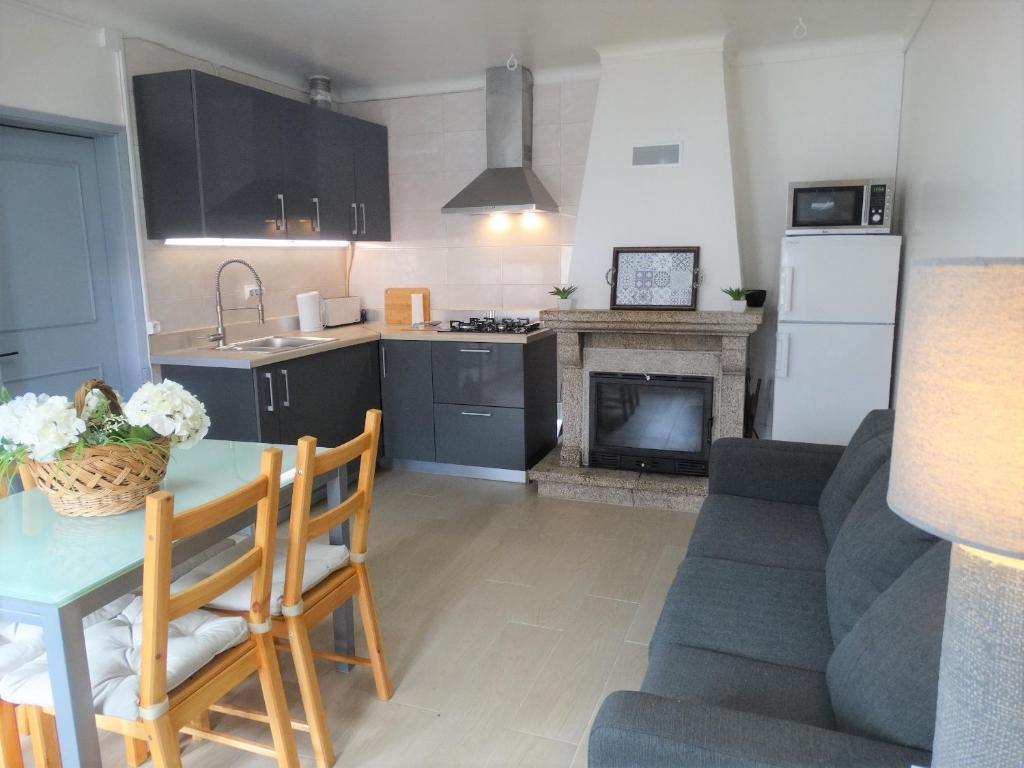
507, 618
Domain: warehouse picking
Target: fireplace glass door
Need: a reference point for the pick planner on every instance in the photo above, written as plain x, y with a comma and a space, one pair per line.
651, 422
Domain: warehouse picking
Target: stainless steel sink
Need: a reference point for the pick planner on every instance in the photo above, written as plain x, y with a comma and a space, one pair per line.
275, 344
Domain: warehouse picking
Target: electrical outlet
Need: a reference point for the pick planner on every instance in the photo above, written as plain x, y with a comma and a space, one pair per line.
250, 291
153, 326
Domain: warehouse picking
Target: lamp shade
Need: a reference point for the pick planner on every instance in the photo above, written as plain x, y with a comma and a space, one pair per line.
958, 447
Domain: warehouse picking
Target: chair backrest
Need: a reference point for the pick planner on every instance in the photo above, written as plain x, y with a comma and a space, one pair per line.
163, 528
27, 480
308, 466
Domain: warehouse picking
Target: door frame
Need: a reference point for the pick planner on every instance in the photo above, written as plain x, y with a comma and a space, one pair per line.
119, 230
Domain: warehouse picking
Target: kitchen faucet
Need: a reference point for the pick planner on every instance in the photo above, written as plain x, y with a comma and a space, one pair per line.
219, 336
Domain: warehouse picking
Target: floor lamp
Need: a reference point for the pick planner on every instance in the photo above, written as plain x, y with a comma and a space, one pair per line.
958, 471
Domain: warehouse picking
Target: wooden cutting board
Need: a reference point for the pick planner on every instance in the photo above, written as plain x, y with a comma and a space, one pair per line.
398, 305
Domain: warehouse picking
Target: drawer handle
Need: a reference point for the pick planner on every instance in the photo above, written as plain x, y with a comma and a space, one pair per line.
478, 351
475, 413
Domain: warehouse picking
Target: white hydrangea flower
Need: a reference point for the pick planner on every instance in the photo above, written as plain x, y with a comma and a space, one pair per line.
43, 424
169, 410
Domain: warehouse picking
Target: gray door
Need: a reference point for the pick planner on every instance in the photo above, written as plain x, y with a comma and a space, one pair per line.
56, 308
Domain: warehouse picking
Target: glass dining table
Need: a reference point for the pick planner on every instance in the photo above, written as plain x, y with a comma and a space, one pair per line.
55, 570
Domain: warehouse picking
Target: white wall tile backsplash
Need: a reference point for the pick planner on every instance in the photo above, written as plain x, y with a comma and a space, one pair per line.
438, 145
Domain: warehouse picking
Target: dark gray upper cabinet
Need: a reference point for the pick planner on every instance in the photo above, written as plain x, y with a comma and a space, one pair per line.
241, 170
335, 175
370, 142
220, 159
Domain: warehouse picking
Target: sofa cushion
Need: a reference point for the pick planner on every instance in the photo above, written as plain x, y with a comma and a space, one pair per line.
756, 611
760, 532
695, 674
114, 650
883, 677
869, 448
873, 548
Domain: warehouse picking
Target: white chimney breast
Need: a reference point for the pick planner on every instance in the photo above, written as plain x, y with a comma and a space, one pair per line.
670, 92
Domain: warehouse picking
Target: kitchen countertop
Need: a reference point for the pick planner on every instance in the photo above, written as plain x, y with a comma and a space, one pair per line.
345, 336
208, 357
405, 333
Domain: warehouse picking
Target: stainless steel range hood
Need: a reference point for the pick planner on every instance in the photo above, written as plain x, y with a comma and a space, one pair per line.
509, 183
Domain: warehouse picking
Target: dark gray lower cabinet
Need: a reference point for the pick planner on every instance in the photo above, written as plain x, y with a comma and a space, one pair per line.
325, 395
480, 404
408, 396
490, 373
480, 436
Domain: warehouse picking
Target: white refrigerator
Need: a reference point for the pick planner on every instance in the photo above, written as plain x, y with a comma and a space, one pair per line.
834, 348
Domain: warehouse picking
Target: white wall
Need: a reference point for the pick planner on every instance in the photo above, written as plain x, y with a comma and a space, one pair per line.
962, 142
58, 67
437, 145
657, 97
802, 114
961, 161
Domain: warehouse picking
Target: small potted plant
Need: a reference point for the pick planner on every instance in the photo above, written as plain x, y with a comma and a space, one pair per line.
739, 298
564, 295
96, 455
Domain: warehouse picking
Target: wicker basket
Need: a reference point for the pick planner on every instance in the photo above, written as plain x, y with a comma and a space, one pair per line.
105, 479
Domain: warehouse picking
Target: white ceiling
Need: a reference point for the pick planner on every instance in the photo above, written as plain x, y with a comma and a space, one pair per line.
378, 47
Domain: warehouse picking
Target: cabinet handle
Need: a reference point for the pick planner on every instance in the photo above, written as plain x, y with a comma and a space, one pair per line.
355, 219
316, 211
286, 400
384, 362
362, 207
279, 224
270, 389
782, 356
8, 354
786, 289
475, 413
477, 351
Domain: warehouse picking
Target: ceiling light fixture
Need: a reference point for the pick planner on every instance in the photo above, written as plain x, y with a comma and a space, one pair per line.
254, 242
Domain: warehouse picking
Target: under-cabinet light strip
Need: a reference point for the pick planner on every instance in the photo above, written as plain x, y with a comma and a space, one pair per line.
246, 242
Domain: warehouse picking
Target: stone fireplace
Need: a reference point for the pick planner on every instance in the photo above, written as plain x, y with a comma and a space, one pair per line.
700, 344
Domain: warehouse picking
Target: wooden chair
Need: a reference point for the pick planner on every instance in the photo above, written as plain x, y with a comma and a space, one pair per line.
13, 721
162, 714
302, 609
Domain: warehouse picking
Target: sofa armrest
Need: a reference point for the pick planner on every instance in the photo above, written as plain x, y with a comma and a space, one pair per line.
773, 470
639, 729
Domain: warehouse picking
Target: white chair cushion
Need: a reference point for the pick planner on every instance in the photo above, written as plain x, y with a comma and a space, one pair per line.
321, 561
21, 642
114, 648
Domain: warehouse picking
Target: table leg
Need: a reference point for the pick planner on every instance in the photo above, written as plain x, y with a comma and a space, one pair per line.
72, 690
344, 617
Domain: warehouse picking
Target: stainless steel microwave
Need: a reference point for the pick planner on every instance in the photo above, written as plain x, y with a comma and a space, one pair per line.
854, 207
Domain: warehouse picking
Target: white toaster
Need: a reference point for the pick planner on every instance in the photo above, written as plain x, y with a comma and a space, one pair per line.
343, 311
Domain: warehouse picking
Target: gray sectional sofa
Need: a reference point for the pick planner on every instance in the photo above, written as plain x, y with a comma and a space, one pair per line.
804, 625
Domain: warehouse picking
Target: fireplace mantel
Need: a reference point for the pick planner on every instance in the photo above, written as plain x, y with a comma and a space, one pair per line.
704, 323
706, 343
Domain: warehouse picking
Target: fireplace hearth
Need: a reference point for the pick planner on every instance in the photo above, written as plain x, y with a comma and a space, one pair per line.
651, 422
